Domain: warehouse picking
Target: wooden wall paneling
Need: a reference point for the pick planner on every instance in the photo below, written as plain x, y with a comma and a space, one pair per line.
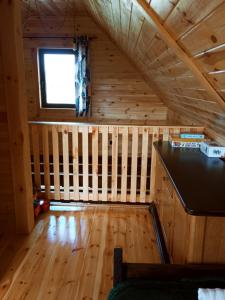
55, 149
114, 78
220, 138
13, 78
95, 154
209, 120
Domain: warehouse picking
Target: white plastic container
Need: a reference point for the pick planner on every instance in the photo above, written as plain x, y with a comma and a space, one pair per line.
212, 149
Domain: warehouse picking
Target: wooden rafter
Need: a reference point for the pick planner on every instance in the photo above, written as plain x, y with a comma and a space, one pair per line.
154, 19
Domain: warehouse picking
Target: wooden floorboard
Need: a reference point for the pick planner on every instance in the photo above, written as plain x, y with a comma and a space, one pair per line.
69, 255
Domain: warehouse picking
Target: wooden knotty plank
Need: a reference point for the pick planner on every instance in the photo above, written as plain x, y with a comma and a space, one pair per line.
55, 148
65, 145
165, 134
181, 53
105, 141
75, 151
45, 139
95, 163
134, 164
14, 101
124, 164
144, 165
85, 162
36, 155
114, 162
155, 137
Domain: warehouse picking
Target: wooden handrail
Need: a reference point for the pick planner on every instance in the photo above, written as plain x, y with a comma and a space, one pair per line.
96, 162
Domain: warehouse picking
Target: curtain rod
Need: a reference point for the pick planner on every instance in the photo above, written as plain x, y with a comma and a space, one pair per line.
56, 37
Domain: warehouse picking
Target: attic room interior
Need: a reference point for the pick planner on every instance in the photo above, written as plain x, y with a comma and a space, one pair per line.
112, 153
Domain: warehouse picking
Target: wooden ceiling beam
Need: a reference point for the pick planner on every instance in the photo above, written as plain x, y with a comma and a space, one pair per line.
154, 19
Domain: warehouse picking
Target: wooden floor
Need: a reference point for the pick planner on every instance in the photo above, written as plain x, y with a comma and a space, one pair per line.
69, 254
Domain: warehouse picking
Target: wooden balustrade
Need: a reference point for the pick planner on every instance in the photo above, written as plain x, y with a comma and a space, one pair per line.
72, 162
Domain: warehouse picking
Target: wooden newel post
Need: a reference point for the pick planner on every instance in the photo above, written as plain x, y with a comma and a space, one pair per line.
11, 48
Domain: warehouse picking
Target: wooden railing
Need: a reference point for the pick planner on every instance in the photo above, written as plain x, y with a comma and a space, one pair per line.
95, 162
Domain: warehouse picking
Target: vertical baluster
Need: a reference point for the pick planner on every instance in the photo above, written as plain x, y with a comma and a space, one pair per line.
105, 153
155, 137
36, 155
114, 162
133, 194
95, 163
85, 162
124, 164
75, 162
65, 145
46, 160
165, 134
144, 163
55, 142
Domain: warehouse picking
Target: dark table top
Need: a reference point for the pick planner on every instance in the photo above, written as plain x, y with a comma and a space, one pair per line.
198, 179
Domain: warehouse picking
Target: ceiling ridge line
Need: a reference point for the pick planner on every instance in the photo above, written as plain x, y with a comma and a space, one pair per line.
179, 51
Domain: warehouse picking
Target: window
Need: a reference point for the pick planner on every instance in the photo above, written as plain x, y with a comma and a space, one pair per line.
57, 78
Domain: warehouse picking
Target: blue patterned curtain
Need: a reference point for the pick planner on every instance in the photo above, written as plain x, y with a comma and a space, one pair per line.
82, 76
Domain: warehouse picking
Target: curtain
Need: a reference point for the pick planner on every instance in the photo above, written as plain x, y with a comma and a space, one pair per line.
82, 76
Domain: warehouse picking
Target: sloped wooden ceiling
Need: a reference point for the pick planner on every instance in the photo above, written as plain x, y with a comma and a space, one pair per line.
119, 91
53, 8
197, 27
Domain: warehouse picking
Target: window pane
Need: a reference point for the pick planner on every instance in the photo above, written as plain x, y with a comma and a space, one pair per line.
60, 78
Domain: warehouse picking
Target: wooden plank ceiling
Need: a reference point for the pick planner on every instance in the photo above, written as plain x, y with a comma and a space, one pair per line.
54, 8
197, 27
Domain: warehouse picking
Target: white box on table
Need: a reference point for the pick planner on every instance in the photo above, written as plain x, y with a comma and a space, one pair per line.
212, 149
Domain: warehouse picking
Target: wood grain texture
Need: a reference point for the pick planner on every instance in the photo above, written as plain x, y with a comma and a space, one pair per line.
189, 238
97, 162
18, 182
199, 33
68, 248
118, 90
